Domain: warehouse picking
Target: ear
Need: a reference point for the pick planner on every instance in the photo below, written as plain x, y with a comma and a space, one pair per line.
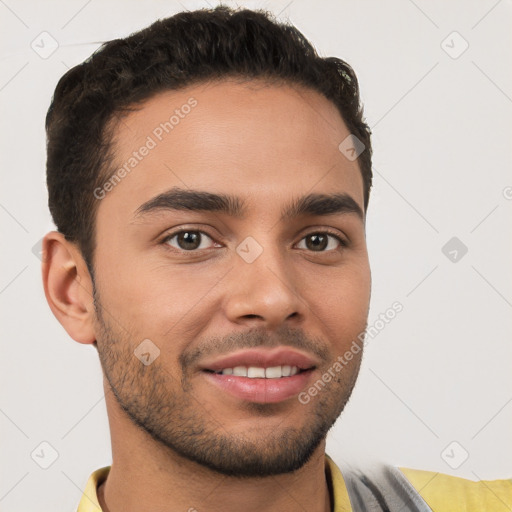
68, 287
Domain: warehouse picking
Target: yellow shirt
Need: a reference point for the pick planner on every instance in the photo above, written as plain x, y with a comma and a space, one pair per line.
442, 493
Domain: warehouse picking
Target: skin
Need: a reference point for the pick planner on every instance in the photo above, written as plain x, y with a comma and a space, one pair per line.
267, 144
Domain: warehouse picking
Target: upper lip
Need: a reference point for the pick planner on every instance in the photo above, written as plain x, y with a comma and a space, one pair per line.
265, 358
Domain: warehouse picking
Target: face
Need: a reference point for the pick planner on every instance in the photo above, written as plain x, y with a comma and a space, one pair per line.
231, 271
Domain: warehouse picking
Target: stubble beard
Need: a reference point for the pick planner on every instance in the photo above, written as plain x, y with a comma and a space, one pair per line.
164, 406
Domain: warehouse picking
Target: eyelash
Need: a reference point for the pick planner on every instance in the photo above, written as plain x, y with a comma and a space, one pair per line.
169, 237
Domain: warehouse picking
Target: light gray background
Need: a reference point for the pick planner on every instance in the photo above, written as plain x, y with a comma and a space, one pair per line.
438, 373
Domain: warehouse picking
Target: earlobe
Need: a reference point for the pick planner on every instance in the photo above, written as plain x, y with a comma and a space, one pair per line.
68, 287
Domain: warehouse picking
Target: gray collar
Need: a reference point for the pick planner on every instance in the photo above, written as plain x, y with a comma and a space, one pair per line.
382, 489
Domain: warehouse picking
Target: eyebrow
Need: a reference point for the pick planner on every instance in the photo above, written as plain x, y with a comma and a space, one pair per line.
179, 199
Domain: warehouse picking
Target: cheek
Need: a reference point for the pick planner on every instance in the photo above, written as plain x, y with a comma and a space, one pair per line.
157, 300
342, 304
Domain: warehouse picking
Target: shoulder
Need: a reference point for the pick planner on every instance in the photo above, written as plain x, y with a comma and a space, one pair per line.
450, 493
384, 487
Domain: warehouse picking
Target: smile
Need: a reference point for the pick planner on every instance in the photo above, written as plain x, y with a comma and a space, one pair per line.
258, 372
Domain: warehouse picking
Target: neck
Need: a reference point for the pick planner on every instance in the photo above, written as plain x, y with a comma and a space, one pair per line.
158, 489
145, 474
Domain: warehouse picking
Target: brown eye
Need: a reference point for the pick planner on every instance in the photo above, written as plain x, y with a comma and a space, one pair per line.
188, 240
319, 242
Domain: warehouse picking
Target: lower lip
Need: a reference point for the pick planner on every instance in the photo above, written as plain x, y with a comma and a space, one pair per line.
263, 391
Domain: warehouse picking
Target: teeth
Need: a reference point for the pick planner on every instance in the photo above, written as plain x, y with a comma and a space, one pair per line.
254, 372
257, 372
273, 372
239, 371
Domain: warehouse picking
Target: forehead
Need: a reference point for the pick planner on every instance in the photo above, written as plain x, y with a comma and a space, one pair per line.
250, 139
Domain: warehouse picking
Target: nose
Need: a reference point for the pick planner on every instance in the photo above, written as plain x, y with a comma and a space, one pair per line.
264, 293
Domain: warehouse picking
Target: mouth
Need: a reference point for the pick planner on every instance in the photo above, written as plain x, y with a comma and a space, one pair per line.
259, 372
261, 376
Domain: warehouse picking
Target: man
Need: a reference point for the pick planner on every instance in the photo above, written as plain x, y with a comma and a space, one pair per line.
209, 177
